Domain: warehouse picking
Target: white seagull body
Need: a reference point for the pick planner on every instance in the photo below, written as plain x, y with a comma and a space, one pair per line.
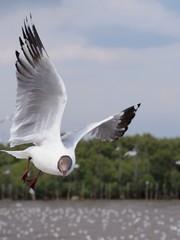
40, 103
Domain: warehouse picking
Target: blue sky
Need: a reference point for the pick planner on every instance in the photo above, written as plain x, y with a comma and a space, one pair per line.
110, 54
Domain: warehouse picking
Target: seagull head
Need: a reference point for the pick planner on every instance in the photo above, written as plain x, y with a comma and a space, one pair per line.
64, 164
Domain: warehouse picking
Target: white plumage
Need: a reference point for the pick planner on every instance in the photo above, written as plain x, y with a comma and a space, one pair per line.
40, 103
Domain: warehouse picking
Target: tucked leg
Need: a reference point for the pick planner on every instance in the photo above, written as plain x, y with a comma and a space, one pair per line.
32, 182
25, 175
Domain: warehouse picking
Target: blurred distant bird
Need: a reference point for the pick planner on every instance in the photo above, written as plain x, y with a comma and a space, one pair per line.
40, 103
132, 153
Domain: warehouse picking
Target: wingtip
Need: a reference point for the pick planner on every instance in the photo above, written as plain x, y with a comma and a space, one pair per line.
137, 106
17, 54
21, 41
31, 19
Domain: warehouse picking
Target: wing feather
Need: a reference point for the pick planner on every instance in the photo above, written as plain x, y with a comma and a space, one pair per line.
41, 94
109, 129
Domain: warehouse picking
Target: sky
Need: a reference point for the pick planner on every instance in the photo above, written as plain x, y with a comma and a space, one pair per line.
110, 54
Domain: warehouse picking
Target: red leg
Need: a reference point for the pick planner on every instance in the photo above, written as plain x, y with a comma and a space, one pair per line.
32, 182
25, 175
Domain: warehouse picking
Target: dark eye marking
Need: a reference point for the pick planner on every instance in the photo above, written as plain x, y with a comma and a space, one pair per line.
65, 161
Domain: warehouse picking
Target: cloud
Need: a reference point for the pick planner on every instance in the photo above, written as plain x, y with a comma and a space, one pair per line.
140, 15
71, 32
103, 73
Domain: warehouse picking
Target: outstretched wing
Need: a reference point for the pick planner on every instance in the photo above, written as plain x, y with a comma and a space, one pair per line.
109, 129
41, 94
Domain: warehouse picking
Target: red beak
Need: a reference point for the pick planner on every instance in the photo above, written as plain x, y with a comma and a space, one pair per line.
64, 173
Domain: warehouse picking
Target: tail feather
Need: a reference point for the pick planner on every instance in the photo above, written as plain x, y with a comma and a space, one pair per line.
18, 154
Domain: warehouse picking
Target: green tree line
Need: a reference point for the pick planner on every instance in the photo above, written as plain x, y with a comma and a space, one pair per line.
105, 171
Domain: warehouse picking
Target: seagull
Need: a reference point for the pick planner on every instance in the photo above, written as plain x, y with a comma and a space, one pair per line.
132, 153
178, 162
40, 102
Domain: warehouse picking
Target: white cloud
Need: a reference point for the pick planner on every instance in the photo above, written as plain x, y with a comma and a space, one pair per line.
142, 15
147, 15
137, 14
98, 77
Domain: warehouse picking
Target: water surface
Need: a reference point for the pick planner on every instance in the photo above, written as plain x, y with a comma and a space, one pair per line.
90, 220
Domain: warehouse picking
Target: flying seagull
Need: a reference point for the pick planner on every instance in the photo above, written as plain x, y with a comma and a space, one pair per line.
40, 103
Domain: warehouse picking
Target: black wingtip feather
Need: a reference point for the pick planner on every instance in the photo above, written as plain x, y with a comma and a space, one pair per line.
24, 35
125, 120
21, 41
17, 54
